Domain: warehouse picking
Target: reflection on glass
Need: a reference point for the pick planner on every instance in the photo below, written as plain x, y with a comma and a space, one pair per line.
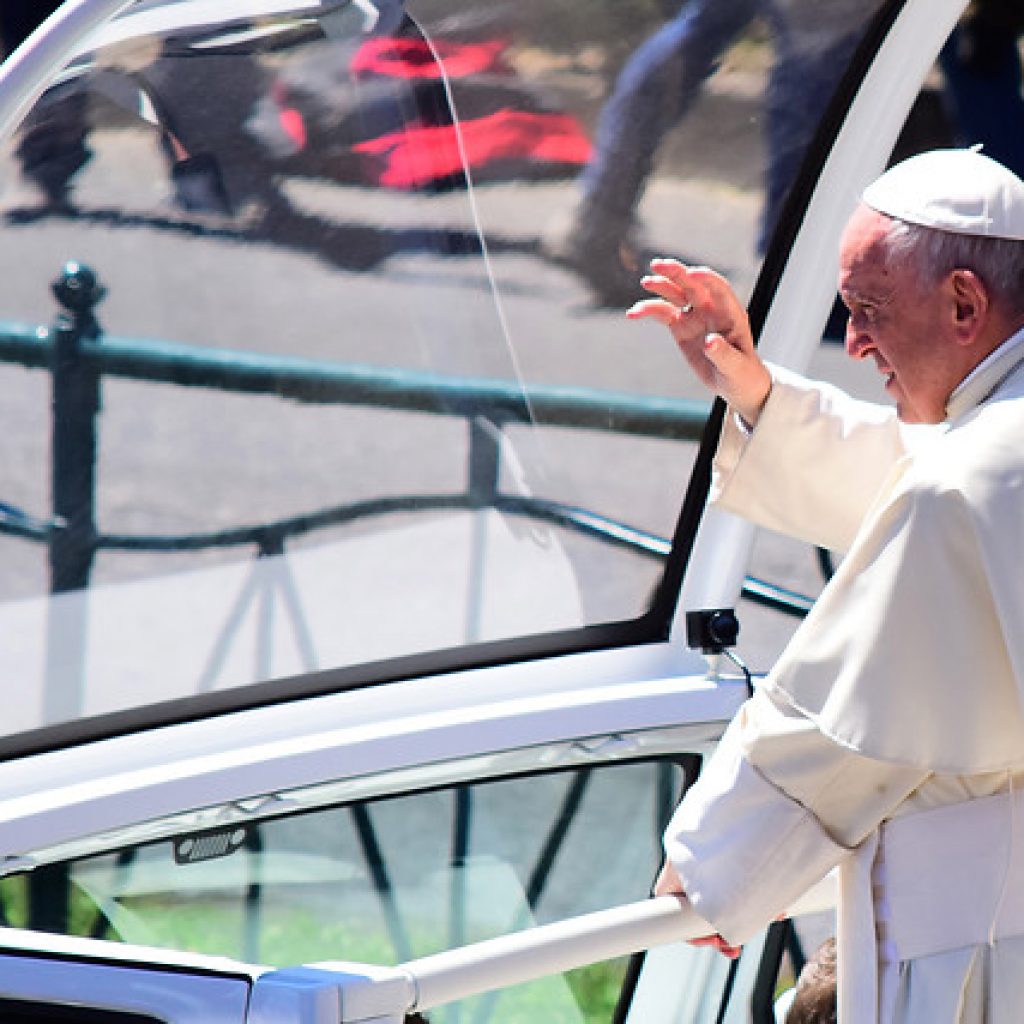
790, 54
392, 880
331, 324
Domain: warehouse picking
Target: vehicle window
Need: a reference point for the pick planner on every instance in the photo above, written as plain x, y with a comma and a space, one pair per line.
384, 881
343, 372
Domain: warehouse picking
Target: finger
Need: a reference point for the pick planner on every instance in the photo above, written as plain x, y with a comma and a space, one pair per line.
699, 291
668, 882
674, 270
658, 284
715, 291
702, 280
662, 310
691, 282
684, 319
709, 280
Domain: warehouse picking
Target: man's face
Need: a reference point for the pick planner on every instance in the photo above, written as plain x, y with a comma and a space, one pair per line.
895, 320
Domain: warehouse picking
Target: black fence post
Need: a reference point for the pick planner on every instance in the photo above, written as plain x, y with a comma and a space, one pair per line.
76, 403
484, 461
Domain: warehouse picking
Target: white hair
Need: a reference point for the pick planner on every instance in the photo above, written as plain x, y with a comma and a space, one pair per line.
999, 262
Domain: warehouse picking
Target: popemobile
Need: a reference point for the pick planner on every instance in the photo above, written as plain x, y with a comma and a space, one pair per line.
362, 618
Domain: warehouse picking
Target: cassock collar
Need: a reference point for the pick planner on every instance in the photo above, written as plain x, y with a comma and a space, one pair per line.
986, 377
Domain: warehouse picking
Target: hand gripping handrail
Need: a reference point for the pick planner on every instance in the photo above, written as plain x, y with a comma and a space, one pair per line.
374, 992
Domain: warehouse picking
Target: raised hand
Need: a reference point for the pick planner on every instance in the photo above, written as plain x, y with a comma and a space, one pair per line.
711, 328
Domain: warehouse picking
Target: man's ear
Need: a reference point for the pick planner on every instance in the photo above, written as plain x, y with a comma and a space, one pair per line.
969, 307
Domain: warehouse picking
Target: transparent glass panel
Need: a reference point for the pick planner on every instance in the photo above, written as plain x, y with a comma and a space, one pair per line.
385, 881
346, 293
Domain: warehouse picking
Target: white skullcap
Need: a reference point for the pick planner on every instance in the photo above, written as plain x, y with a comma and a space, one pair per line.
958, 190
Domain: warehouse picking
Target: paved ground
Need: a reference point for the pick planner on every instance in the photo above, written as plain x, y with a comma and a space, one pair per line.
368, 276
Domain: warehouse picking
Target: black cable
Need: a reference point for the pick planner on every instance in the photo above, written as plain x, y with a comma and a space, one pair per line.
739, 663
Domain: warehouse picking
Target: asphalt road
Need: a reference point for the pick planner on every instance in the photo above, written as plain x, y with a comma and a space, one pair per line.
356, 276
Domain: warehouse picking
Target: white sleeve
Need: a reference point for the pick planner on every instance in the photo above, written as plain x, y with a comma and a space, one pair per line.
812, 465
776, 807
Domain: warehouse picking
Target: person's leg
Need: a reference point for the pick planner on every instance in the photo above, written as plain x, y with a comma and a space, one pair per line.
653, 91
655, 88
52, 144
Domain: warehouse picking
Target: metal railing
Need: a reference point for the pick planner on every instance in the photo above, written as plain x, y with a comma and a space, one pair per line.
79, 355
366, 992
565, 945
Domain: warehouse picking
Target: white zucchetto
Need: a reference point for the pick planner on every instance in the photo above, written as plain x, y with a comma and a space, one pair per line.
957, 190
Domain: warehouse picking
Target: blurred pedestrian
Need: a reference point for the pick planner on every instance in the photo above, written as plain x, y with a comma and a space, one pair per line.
659, 84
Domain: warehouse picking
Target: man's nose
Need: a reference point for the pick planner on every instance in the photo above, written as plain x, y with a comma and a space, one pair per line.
856, 340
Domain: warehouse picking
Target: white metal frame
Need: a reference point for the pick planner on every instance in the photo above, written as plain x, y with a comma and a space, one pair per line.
177, 988
58, 797
565, 945
369, 993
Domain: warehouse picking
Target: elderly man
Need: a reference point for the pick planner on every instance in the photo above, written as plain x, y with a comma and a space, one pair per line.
889, 738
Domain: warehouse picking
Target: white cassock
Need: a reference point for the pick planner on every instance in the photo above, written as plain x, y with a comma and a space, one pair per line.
889, 738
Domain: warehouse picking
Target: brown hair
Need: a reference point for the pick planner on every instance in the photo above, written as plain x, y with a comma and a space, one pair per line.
815, 999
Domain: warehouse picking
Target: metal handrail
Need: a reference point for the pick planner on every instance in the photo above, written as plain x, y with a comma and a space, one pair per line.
311, 381
496, 402
432, 981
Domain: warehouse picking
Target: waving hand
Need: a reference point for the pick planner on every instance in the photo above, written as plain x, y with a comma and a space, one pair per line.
711, 328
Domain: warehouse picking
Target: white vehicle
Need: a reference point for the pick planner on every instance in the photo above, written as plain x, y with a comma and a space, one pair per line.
350, 539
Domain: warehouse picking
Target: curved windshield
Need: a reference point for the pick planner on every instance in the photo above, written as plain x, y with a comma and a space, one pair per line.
312, 335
